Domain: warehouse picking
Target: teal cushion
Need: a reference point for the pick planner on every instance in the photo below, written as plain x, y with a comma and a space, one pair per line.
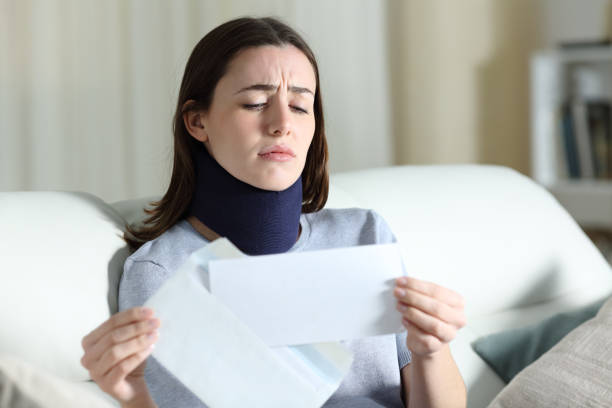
508, 352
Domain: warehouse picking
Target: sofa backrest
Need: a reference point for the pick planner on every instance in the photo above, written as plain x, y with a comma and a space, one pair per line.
488, 232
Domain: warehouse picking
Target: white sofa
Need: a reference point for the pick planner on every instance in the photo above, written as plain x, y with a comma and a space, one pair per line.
488, 232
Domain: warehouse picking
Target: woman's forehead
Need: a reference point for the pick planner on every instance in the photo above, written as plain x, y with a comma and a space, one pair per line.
271, 65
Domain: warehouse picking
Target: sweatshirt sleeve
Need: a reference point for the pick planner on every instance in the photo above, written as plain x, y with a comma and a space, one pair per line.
140, 280
384, 234
404, 356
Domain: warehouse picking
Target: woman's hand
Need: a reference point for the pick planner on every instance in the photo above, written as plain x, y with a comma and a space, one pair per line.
116, 352
431, 314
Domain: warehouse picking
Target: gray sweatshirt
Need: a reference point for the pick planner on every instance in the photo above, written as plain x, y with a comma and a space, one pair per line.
374, 377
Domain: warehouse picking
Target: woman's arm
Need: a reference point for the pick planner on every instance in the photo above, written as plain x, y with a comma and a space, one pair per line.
432, 315
433, 381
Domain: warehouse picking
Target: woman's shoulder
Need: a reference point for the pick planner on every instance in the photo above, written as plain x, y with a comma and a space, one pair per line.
154, 262
171, 248
341, 227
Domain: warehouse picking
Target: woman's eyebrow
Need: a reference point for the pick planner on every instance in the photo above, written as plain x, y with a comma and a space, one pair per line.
270, 87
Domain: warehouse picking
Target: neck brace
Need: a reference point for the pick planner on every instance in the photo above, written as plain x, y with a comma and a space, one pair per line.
257, 221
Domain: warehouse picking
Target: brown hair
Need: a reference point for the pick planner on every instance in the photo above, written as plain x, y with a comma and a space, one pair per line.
206, 65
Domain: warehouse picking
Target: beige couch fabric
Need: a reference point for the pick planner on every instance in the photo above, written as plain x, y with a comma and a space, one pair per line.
577, 372
23, 385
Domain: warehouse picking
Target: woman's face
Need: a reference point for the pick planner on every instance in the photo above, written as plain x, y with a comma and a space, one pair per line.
261, 120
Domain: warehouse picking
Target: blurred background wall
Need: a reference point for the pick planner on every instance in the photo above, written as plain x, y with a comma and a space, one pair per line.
88, 88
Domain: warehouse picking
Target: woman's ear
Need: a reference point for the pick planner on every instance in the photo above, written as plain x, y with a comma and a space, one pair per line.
194, 122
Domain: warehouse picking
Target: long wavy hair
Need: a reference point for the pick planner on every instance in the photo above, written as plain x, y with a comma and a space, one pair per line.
206, 65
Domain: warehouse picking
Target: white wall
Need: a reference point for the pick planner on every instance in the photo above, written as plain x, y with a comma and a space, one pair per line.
88, 87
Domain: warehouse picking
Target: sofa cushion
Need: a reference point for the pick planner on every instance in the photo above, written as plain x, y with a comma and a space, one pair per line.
509, 351
576, 372
58, 250
24, 385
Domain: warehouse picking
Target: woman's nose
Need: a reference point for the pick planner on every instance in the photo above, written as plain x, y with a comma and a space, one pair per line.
279, 122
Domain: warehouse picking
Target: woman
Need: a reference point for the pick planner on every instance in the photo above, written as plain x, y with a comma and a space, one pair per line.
250, 164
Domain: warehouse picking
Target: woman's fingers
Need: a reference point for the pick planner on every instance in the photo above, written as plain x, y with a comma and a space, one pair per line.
118, 353
114, 381
117, 329
431, 313
116, 320
120, 335
432, 306
428, 324
445, 295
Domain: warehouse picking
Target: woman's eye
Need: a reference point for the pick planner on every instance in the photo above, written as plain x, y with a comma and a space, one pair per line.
261, 106
254, 106
298, 109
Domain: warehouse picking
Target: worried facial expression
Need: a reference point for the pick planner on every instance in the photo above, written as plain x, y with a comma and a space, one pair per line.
261, 122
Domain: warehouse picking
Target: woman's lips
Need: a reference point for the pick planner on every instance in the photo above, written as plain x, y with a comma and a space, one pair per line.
279, 152
276, 156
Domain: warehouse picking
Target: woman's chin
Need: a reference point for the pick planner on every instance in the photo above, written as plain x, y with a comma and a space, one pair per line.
275, 183
274, 186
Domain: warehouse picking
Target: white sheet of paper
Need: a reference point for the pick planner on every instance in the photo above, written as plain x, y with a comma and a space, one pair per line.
222, 361
312, 296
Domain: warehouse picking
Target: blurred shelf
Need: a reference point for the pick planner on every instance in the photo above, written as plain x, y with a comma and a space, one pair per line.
588, 201
559, 76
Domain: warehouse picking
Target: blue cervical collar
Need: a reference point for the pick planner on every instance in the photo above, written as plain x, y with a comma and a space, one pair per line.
257, 221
